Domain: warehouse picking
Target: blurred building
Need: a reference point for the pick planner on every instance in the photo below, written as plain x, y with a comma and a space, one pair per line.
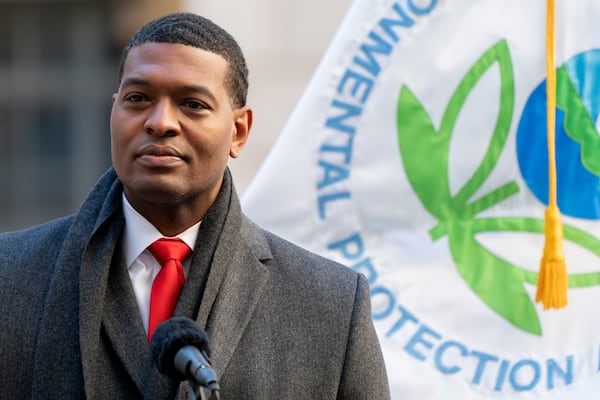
58, 70
58, 63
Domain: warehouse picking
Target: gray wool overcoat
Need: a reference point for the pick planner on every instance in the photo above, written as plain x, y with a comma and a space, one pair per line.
283, 323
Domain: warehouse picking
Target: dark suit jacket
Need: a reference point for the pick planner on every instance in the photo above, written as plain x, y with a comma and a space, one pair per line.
283, 323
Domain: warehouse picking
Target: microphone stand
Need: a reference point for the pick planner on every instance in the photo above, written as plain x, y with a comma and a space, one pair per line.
194, 392
189, 392
214, 395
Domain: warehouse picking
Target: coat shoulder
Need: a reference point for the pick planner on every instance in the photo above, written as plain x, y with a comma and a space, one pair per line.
29, 246
296, 261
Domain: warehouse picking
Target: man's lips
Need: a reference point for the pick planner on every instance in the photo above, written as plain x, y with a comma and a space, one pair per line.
159, 156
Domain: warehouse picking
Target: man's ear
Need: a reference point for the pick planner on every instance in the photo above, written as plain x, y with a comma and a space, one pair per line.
241, 130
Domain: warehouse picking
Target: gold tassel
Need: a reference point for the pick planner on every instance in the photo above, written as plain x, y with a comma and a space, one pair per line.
552, 278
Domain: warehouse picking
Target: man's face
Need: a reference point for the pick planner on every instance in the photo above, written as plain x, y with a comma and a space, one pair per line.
172, 125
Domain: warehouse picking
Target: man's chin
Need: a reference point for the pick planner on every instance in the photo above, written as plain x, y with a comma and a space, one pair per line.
156, 192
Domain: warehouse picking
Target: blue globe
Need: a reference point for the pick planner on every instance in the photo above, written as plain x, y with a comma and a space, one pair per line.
578, 188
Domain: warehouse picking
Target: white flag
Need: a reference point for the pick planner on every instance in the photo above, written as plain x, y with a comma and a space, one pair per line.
417, 156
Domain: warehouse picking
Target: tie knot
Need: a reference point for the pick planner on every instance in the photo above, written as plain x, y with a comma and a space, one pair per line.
169, 249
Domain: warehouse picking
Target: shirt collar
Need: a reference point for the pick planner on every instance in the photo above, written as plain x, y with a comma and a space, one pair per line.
140, 233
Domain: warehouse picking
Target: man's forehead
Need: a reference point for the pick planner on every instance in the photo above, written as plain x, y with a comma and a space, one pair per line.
151, 49
150, 57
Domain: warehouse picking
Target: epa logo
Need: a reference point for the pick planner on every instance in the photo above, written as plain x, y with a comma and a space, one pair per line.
458, 215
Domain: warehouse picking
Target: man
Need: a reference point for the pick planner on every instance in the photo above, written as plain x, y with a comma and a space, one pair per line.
78, 293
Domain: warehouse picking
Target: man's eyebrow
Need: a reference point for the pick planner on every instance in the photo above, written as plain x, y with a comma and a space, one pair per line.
199, 89
133, 81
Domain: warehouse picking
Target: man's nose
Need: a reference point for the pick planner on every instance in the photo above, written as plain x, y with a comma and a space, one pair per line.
162, 119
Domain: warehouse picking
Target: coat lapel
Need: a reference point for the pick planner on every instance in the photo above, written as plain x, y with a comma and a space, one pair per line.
236, 297
236, 282
122, 325
125, 334
229, 301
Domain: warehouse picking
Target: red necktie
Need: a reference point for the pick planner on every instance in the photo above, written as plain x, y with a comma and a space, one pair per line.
169, 281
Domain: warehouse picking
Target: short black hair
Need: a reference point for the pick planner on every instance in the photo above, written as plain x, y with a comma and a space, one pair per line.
193, 30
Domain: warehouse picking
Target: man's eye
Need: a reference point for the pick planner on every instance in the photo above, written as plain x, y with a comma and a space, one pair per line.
135, 98
195, 105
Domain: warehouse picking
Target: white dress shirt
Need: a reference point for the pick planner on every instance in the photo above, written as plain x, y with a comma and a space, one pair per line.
141, 264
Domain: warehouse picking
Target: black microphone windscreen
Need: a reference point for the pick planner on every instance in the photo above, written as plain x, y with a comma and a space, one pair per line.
169, 337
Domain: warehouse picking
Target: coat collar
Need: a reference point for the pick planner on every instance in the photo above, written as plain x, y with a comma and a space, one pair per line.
70, 316
231, 249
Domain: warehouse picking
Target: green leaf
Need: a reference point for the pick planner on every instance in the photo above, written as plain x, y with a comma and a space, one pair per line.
419, 140
495, 281
421, 144
500, 55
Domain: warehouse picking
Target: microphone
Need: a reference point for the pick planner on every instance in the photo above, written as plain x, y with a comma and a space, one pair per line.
179, 347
